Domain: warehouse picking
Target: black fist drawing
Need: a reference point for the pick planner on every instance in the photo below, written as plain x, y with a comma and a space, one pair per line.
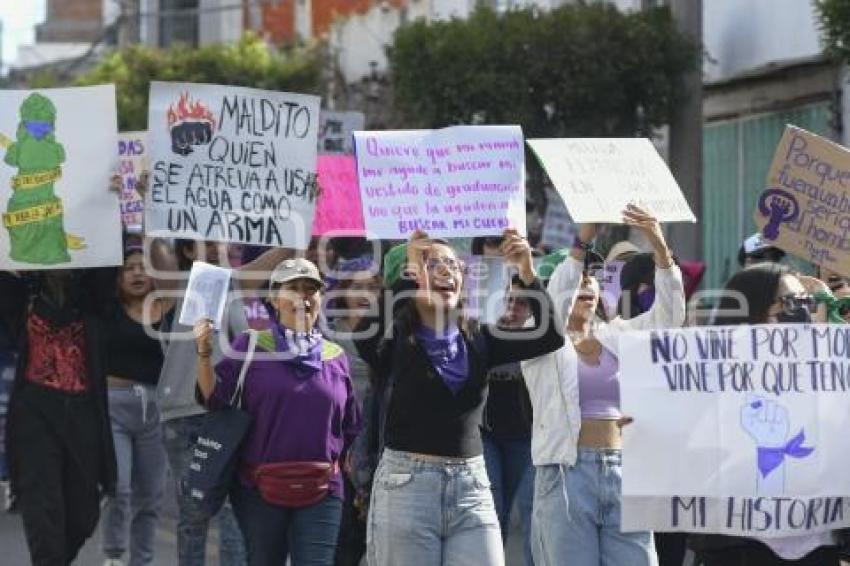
188, 134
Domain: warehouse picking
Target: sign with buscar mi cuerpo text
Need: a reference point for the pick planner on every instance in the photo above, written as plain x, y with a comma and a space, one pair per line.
598, 177
805, 209
232, 164
462, 181
742, 429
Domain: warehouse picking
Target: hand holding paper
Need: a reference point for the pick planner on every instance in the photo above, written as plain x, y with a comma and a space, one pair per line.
203, 331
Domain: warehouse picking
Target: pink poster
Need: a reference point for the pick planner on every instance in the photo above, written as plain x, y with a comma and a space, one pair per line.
339, 209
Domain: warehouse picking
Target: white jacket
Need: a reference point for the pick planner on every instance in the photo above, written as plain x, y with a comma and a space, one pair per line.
552, 379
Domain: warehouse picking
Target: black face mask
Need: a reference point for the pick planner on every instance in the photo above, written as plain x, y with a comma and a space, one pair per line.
797, 316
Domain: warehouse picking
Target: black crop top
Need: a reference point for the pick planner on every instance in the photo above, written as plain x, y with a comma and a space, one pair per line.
130, 352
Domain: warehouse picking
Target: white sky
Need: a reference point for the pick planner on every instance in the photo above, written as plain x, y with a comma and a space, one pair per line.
19, 18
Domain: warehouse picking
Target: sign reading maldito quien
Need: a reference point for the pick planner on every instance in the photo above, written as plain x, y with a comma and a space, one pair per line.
232, 164
462, 181
57, 154
805, 209
741, 428
598, 177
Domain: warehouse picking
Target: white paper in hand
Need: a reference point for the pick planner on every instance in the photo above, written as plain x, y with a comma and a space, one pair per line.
206, 294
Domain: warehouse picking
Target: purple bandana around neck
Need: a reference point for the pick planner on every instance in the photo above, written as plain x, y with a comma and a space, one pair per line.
304, 349
448, 355
38, 129
771, 458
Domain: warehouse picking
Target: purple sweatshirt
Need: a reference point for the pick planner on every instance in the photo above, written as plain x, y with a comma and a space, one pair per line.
315, 418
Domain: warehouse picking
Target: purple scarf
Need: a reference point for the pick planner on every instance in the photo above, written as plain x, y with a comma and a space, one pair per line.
771, 458
448, 355
303, 349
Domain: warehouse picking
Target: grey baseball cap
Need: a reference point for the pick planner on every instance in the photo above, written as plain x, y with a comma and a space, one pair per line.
293, 269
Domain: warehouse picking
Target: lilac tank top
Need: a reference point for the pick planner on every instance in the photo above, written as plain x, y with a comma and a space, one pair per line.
599, 388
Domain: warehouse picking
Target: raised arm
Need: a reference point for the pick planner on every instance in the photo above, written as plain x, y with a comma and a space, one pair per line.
543, 336
668, 309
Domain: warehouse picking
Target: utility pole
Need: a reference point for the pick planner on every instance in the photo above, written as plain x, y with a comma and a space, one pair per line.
686, 135
128, 23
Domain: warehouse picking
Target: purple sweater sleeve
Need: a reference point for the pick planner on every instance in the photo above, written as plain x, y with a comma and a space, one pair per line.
351, 423
227, 373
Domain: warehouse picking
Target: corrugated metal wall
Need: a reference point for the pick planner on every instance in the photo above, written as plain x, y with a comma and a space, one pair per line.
736, 157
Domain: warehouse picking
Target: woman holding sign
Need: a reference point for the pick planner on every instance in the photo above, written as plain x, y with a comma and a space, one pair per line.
577, 419
431, 501
768, 293
298, 390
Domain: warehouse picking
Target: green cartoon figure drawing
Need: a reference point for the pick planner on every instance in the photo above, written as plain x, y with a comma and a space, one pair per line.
34, 215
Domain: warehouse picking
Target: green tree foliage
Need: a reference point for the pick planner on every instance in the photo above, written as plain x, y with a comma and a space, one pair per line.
579, 70
835, 27
249, 63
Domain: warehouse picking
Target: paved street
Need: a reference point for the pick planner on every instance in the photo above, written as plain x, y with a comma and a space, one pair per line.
14, 548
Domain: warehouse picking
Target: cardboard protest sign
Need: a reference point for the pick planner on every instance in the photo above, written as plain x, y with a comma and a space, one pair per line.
339, 209
756, 415
57, 155
805, 209
232, 164
206, 294
598, 177
132, 162
455, 182
336, 129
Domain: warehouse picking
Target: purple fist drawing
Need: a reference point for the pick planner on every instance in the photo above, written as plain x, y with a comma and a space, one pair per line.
768, 423
778, 206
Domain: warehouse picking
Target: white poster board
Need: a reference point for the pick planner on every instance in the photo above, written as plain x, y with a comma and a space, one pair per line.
206, 294
232, 164
336, 129
57, 156
752, 417
462, 181
598, 177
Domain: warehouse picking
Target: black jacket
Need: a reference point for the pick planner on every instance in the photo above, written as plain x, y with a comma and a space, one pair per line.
15, 300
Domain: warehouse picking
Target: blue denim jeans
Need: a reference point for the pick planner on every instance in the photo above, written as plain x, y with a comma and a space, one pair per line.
511, 476
141, 475
192, 522
576, 519
273, 534
425, 513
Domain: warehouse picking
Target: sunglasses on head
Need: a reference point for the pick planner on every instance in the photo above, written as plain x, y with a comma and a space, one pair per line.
792, 303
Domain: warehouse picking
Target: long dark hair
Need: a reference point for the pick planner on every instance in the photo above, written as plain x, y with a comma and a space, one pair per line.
749, 295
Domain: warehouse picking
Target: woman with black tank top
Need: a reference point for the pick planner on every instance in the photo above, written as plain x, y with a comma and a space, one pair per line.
133, 363
431, 502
